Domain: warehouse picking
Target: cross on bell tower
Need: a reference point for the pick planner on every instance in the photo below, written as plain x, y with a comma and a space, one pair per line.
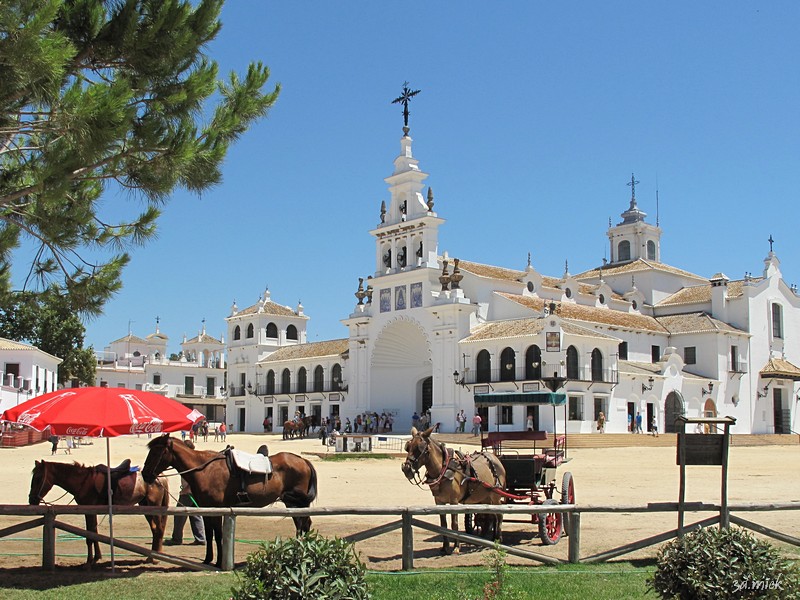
404, 99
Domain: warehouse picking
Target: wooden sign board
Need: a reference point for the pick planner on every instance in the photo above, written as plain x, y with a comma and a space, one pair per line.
701, 449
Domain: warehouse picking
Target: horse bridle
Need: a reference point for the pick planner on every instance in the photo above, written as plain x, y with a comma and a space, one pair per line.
39, 496
168, 445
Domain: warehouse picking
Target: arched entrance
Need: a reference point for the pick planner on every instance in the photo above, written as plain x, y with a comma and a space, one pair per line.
401, 379
673, 408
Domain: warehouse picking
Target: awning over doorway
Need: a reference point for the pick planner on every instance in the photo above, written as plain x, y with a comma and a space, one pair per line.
777, 368
522, 398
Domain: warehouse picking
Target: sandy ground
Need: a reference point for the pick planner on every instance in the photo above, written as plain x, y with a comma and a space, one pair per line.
625, 476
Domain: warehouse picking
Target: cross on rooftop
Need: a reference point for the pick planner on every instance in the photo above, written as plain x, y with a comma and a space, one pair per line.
404, 99
633, 183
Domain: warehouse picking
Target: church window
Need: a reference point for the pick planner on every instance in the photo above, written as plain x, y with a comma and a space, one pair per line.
336, 376
623, 350
508, 365
568, 293
302, 380
597, 365
690, 355
624, 250
572, 363
576, 408
634, 304
319, 378
272, 331
655, 354
530, 286
156, 378
777, 321
250, 331
651, 250
286, 380
533, 363
483, 367
602, 299
291, 332
270, 382
237, 333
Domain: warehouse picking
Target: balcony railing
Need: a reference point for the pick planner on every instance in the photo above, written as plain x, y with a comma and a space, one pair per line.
585, 374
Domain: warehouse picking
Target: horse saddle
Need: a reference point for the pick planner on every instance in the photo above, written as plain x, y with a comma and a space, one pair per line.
244, 464
123, 479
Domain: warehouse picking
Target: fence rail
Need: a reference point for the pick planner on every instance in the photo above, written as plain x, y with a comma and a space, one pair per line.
46, 517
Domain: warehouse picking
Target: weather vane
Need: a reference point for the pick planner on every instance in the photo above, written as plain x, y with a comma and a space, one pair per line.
404, 99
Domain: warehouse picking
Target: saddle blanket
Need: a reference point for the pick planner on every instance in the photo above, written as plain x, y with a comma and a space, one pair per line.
252, 463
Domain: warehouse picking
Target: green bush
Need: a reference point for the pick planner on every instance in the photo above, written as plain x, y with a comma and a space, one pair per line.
717, 564
310, 567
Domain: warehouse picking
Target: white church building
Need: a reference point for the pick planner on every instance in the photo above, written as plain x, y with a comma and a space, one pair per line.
432, 332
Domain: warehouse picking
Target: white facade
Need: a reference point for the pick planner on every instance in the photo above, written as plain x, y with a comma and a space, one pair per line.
429, 332
27, 372
196, 378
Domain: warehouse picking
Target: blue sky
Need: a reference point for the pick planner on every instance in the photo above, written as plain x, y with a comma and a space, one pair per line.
531, 119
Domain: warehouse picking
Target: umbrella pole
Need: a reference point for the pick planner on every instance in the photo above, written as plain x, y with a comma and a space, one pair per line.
110, 509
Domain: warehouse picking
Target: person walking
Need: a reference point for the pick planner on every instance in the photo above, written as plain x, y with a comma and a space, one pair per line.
638, 422
529, 422
461, 419
476, 424
179, 521
223, 431
654, 426
601, 422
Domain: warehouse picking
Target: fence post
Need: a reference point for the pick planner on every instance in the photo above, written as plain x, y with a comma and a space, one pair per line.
228, 542
49, 541
408, 542
575, 538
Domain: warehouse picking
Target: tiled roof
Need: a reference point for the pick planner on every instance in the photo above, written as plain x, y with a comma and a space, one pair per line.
269, 308
698, 322
591, 314
490, 271
310, 350
697, 294
131, 338
636, 266
6, 344
506, 329
780, 368
203, 338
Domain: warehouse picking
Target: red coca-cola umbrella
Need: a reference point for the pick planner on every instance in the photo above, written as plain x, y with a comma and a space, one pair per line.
103, 412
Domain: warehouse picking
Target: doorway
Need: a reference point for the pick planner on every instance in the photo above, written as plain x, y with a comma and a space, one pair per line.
673, 408
650, 414
241, 419
631, 416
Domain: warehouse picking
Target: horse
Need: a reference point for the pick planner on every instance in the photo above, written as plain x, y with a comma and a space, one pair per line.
454, 478
293, 481
88, 486
299, 428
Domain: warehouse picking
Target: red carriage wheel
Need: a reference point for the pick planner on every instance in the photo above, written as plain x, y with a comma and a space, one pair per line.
567, 497
550, 525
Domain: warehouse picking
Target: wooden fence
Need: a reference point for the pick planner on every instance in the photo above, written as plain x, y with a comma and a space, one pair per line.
406, 518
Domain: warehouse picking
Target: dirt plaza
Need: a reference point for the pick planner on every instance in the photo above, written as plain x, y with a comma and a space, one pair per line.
632, 476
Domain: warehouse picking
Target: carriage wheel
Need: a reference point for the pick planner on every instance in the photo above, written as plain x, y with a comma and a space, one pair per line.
550, 525
567, 497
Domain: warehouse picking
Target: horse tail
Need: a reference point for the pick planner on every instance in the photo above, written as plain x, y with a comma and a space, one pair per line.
297, 499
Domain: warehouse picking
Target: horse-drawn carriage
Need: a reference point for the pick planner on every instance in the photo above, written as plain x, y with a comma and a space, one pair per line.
531, 460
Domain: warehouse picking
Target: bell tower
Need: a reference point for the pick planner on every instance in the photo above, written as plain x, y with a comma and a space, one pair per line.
633, 239
407, 235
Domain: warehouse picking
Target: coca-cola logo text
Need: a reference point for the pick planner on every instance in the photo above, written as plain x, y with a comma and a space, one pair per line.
77, 431
151, 427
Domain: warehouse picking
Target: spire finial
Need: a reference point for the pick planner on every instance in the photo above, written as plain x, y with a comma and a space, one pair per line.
771, 241
529, 259
404, 99
633, 183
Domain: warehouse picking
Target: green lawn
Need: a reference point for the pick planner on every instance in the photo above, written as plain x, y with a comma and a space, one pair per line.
597, 582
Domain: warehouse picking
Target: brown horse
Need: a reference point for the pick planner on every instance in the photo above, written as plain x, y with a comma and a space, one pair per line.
293, 481
298, 429
88, 486
456, 479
